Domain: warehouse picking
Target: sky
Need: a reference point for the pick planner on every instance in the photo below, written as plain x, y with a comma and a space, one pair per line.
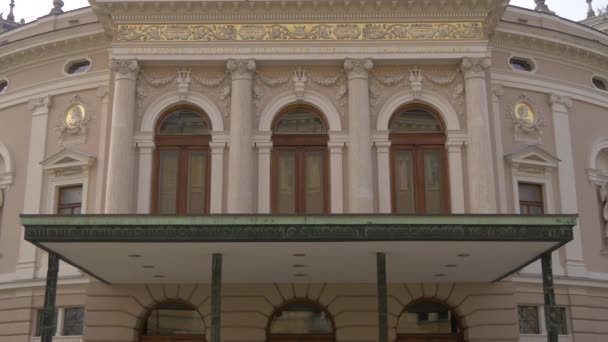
32, 9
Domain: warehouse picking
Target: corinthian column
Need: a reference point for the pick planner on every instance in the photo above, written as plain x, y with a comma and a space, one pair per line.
119, 191
240, 158
360, 186
482, 193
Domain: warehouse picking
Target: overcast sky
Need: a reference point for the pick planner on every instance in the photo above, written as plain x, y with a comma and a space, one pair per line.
32, 9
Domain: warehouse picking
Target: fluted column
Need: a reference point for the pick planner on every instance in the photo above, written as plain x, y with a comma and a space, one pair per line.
120, 189
240, 158
482, 190
360, 187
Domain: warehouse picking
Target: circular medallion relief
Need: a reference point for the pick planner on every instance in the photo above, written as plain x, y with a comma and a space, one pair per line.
525, 114
75, 116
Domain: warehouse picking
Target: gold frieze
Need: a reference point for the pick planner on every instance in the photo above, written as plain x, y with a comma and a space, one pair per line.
300, 32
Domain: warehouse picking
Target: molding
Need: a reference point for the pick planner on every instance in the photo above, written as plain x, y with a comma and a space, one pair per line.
156, 109
599, 145
443, 107
549, 85
55, 87
68, 162
325, 106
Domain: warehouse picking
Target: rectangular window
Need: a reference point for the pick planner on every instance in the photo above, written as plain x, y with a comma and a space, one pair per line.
528, 319
70, 321
70, 200
562, 321
530, 199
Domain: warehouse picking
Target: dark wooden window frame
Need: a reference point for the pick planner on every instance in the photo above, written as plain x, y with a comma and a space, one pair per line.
417, 143
300, 337
161, 338
184, 144
459, 336
300, 143
529, 204
71, 206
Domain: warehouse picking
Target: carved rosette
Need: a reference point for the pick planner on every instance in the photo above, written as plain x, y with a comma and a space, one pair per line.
124, 68
475, 67
358, 68
241, 69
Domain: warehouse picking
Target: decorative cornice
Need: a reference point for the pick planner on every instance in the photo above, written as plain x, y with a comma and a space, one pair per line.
560, 103
358, 68
241, 68
475, 67
42, 103
124, 67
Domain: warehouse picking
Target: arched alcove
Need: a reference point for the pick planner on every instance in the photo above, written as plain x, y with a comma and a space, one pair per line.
172, 319
302, 321
429, 319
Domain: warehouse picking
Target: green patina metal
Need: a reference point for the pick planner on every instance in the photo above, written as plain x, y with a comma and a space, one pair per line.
216, 296
551, 311
262, 228
49, 315
382, 298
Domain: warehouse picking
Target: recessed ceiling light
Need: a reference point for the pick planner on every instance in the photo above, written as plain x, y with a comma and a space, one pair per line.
450, 265
158, 276
134, 255
464, 255
299, 254
148, 266
440, 275
299, 266
300, 275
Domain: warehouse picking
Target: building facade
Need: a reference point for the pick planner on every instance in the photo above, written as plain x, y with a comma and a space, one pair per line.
304, 171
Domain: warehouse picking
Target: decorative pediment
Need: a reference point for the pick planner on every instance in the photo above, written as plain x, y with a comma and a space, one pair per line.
532, 159
68, 162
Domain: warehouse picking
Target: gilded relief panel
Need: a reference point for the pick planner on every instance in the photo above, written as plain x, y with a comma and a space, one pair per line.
299, 32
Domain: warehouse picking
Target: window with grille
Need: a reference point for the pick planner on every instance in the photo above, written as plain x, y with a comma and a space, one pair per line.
70, 321
528, 319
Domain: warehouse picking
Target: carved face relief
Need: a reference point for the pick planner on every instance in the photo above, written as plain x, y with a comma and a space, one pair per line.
525, 114
74, 116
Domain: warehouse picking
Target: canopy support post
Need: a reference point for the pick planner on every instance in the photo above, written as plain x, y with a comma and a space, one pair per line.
382, 298
551, 312
49, 316
216, 296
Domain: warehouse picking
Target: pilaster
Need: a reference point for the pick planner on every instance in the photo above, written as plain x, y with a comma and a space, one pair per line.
144, 142
360, 188
336, 144
560, 105
240, 158
103, 94
26, 264
218, 146
119, 191
383, 147
263, 143
455, 144
482, 196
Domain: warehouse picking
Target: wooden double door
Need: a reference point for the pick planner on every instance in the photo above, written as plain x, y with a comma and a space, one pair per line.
429, 338
189, 338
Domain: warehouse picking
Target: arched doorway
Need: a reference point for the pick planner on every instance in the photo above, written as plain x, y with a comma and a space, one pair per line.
173, 322
301, 321
419, 173
429, 320
300, 167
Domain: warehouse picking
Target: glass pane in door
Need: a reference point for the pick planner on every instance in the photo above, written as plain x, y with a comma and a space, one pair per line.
167, 185
197, 175
314, 180
404, 183
286, 182
433, 189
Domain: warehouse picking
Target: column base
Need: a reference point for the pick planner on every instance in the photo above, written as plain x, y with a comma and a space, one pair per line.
25, 270
576, 268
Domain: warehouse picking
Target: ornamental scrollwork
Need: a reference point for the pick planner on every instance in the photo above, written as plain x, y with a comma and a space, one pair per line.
475, 66
222, 32
124, 66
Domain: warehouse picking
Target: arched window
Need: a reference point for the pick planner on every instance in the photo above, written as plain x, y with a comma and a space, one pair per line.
182, 163
429, 320
300, 184
419, 180
173, 319
301, 321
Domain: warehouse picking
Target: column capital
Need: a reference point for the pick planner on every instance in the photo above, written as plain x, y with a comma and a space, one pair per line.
241, 69
498, 90
358, 68
475, 67
125, 68
560, 103
39, 105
